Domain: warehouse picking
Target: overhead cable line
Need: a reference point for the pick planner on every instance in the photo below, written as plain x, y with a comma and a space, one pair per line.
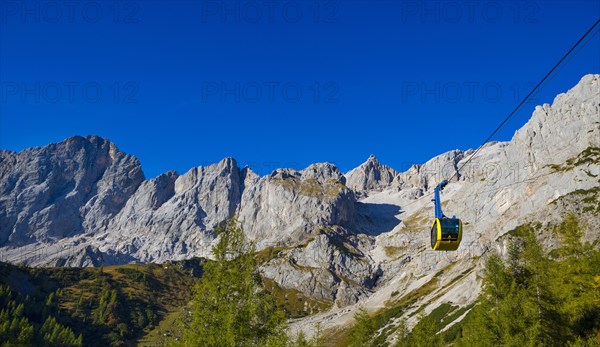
514, 111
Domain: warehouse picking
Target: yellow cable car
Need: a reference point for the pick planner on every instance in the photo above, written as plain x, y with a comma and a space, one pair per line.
446, 233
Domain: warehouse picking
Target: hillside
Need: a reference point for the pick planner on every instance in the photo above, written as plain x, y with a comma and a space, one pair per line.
106, 306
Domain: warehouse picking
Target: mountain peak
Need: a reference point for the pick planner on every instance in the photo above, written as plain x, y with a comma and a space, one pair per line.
370, 175
372, 160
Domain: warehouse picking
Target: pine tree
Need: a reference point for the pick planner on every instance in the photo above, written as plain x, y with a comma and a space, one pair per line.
230, 308
577, 281
488, 324
363, 332
541, 304
519, 305
54, 334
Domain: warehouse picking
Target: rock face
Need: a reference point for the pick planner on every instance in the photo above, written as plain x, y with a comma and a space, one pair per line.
287, 205
370, 176
172, 216
65, 189
336, 238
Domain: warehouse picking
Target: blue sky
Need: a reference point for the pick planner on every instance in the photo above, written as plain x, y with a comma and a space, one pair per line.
282, 83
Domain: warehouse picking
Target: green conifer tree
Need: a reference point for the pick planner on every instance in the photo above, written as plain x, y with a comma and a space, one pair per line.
230, 307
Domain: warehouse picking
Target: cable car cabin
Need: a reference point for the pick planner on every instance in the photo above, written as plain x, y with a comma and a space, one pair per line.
446, 233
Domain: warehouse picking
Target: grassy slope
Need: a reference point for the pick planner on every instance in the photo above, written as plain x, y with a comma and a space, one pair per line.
143, 296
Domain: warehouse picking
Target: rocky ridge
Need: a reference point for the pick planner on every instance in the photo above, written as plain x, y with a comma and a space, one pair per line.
338, 238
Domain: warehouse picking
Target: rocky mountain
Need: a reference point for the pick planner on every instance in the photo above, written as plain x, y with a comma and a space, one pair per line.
70, 188
341, 240
370, 176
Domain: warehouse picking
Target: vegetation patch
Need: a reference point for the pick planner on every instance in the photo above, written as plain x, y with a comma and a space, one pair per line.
394, 309
411, 298
337, 337
444, 269
311, 187
294, 302
440, 315
459, 277
522, 230
453, 315
169, 329
270, 253
417, 222
589, 156
393, 251
589, 198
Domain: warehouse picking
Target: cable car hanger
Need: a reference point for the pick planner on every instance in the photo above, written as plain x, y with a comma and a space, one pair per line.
446, 233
